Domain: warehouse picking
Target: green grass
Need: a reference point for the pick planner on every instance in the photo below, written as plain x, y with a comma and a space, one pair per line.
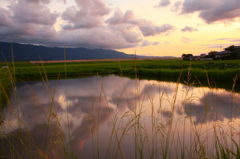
221, 72
151, 67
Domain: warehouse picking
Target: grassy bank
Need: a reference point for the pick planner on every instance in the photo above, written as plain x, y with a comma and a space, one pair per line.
205, 72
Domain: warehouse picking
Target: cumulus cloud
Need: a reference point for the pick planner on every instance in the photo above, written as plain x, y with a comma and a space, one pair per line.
100, 37
188, 29
33, 11
87, 14
146, 27
213, 10
147, 43
164, 3
27, 21
119, 17
82, 25
176, 6
77, 19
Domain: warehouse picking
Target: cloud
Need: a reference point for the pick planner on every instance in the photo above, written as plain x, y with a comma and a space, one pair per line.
213, 10
100, 37
147, 43
228, 39
146, 27
87, 14
223, 39
34, 11
94, 7
38, 1
87, 24
188, 29
164, 3
176, 6
119, 17
27, 21
216, 46
4, 18
235, 40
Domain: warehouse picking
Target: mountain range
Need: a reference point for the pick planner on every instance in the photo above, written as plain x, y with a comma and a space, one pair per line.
27, 52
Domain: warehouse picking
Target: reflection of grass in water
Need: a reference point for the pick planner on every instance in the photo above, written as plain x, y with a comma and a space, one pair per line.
221, 72
160, 138
4, 84
42, 140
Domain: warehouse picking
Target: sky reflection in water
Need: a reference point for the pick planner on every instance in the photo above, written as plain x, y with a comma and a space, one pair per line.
79, 114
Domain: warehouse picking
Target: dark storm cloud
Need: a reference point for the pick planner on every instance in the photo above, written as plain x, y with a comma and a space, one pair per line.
188, 29
213, 10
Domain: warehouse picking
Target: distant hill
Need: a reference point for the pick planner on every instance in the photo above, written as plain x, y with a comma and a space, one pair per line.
26, 52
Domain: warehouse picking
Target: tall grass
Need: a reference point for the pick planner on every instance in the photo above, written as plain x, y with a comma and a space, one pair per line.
221, 72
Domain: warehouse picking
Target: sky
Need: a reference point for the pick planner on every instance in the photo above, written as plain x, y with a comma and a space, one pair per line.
144, 27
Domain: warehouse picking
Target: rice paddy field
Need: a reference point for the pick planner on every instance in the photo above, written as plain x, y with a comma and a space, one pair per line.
216, 70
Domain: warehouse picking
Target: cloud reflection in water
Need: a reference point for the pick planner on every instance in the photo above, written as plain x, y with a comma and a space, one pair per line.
214, 107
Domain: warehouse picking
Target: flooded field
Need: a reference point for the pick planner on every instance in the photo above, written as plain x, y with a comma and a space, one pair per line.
115, 117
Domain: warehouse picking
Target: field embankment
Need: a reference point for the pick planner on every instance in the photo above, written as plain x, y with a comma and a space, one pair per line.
224, 71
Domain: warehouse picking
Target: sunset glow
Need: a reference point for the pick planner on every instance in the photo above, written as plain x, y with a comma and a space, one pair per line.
149, 27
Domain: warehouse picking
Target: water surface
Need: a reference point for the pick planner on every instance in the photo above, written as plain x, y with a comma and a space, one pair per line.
117, 117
